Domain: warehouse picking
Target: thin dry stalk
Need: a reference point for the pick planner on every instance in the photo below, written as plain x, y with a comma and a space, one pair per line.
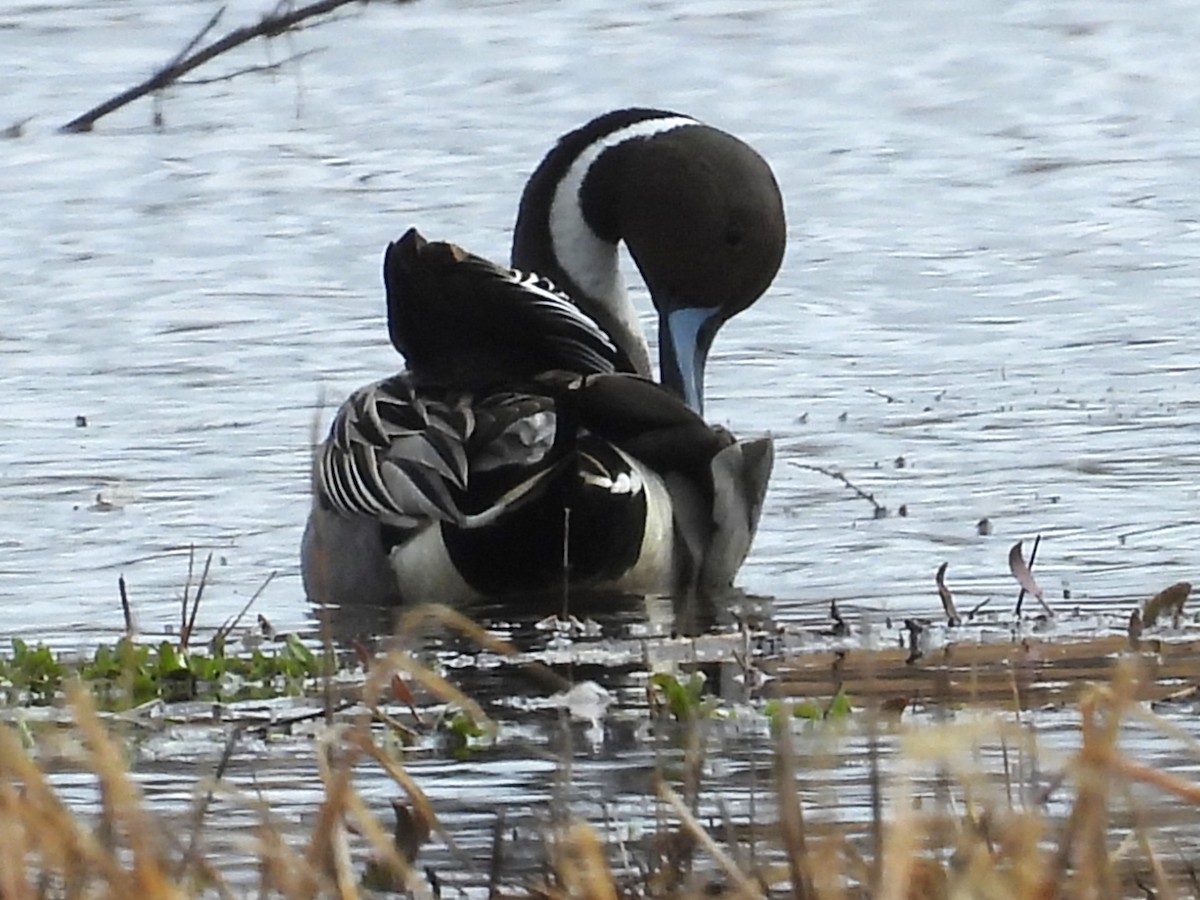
126, 609
226, 629
399, 661
384, 847
581, 866
745, 887
192, 855
901, 844
328, 850
14, 846
185, 635
1127, 768
415, 619
283, 870
791, 813
121, 800
1162, 884
422, 808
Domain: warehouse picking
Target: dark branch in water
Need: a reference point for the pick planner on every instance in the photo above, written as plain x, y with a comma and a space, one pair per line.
125, 607
271, 25
952, 617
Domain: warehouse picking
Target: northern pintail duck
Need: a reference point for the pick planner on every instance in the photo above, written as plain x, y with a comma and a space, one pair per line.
525, 439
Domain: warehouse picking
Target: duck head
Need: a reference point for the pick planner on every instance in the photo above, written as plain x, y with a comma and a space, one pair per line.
699, 210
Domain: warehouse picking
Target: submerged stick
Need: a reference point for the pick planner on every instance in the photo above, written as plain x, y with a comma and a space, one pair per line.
881, 511
125, 607
952, 616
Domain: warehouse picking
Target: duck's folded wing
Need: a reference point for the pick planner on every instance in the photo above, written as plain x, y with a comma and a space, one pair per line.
394, 457
408, 459
457, 317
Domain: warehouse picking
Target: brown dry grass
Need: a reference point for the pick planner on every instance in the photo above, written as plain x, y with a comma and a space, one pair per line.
989, 846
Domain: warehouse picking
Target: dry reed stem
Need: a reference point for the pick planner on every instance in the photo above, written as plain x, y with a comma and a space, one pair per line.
37, 820
745, 887
282, 869
14, 846
1161, 883
581, 866
328, 850
998, 852
791, 813
40, 812
828, 857
443, 615
384, 848
422, 808
901, 844
1172, 784
401, 661
121, 799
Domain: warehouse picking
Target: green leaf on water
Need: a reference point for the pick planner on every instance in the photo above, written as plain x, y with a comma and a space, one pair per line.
684, 698
840, 706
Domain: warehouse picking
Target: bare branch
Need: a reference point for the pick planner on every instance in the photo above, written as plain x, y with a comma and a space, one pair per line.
199, 36
247, 70
275, 23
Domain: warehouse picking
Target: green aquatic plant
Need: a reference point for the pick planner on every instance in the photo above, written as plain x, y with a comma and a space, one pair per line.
128, 672
684, 700
839, 708
34, 671
463, 734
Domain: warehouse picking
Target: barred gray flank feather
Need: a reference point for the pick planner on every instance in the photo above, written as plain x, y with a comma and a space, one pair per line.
397, 456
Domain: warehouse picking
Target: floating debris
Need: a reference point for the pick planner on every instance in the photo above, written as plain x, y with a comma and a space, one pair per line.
1169, 600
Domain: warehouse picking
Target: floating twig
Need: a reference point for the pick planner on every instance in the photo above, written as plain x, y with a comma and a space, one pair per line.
977, 607
13, 131
880, 510
1168, 600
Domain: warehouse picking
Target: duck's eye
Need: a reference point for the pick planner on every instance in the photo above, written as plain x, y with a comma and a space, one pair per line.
734, 235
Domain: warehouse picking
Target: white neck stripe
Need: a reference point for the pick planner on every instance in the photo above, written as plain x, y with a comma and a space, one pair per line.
591, 263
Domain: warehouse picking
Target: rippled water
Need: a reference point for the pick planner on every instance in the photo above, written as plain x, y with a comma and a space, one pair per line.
988, 307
